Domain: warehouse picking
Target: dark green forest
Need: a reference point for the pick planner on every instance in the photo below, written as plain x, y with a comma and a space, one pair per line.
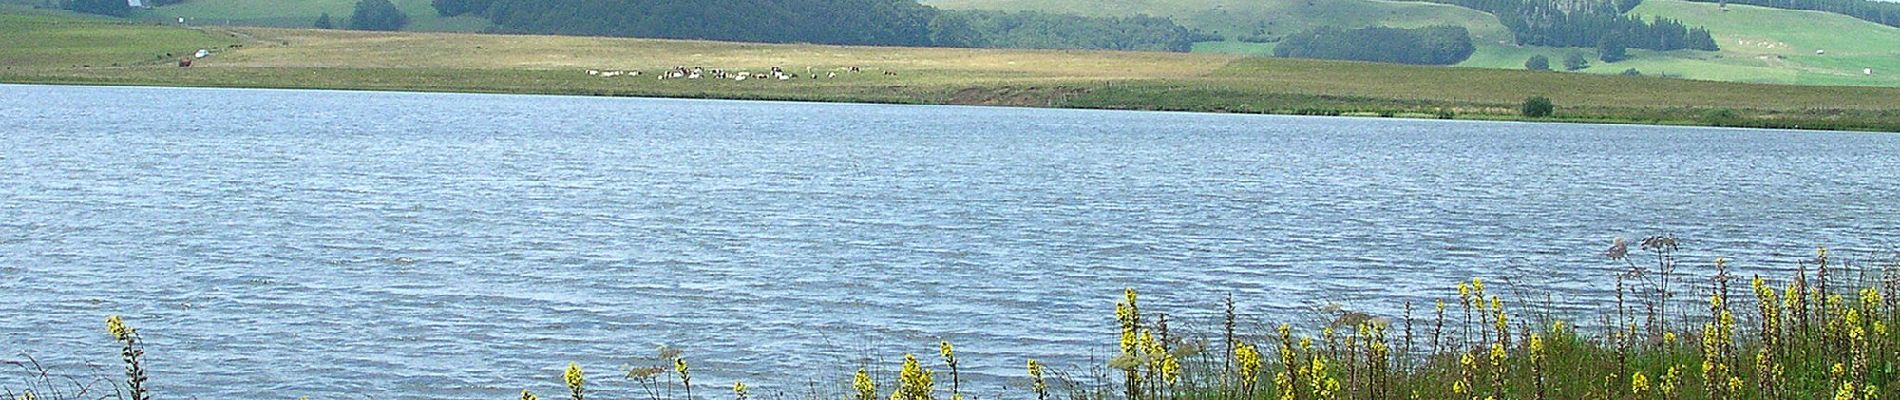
1877, 12
846, 22
1035, 30
1601, 24
1438, 45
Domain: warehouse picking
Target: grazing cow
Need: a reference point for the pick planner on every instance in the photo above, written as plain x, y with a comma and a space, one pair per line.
890, 73
831, 75
593, 72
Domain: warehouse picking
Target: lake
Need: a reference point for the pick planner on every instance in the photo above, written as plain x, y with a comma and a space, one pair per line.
411, 246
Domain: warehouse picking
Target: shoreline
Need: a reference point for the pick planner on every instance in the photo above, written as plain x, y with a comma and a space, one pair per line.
1368, 112
64, 50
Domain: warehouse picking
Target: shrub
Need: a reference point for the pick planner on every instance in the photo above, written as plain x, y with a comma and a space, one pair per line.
1575, 61
1538, 63
1538, 107
377, 15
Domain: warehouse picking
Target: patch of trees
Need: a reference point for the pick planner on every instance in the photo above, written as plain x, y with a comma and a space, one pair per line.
1589, 24
997, 29
850, 22
116, 8
1537, 107
323, 22
1537, 63
1575, 61
864, 22
1884, 13
377, 15
1438, 45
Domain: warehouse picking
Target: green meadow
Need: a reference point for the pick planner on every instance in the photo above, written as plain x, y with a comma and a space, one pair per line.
1759, 45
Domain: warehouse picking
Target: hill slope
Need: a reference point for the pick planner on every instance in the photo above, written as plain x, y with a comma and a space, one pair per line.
301, 14
59, 38
1761, 45
1237, 18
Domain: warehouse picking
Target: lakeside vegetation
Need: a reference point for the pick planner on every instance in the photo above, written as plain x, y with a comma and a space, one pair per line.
1677, 330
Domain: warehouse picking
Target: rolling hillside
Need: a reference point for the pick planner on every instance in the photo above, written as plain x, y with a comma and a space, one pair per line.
1760, 45
1236, 18
302, 13
59, 38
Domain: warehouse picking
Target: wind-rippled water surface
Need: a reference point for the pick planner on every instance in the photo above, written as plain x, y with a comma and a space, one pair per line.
408, 246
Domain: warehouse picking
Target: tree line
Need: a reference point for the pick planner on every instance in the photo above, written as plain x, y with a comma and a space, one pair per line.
116, 8
845, 22
1589, 24
1038, 30
1884, 13
1437, 45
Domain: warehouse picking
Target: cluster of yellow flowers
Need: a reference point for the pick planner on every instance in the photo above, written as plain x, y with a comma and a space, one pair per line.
1035, 380
739, 391
576, 382
1247, 358
1639, 385
866, 388
913, 381
119, 330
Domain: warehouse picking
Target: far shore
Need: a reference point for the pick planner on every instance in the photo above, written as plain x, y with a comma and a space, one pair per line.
561, 65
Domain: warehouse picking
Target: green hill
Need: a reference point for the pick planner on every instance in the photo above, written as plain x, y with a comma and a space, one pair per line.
1237, 18
48, 37
1761, 45
302, 13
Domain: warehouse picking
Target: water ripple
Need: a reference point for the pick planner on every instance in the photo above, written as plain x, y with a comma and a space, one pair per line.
307, 243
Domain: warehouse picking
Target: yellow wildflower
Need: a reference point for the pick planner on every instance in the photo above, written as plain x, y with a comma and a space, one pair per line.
1035, 379
575, 380
913, 381
118, 329
1248, 357
1639, 385
527, 395
1670, 382
867, 389
739, 390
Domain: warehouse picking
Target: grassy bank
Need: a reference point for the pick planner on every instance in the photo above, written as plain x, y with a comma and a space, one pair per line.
58, 48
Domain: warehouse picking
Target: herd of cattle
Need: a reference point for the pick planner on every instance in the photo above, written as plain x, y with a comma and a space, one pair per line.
777, 73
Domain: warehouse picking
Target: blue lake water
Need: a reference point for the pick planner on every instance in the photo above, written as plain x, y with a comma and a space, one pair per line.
410, 246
